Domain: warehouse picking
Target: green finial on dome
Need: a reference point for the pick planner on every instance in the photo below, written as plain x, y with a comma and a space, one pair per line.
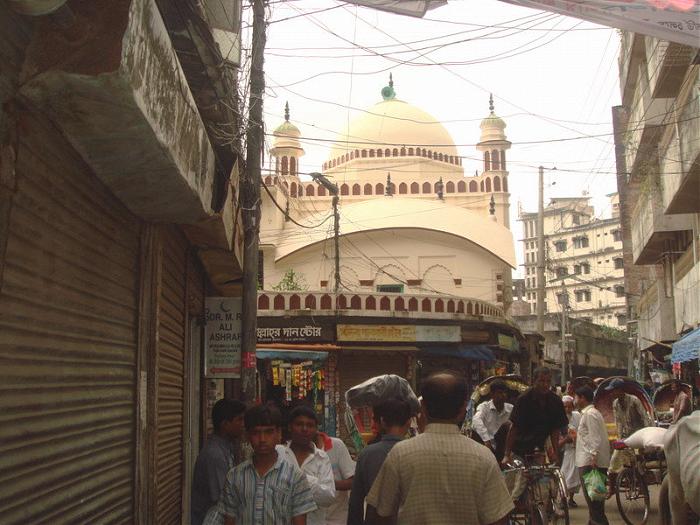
388, 92
286, 111
491, 102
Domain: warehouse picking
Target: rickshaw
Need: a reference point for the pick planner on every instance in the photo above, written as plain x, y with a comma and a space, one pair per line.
538, 489
663, 401
631, 487
360, 399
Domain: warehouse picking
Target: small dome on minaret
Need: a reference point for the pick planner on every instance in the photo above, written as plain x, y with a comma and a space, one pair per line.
286, 137
493, 126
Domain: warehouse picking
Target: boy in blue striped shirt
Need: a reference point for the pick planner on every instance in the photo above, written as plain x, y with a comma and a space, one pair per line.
265, 490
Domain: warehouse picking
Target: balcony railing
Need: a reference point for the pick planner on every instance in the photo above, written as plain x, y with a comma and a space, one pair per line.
380, 304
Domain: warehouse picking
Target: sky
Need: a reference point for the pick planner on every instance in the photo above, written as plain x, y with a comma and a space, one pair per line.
554, 80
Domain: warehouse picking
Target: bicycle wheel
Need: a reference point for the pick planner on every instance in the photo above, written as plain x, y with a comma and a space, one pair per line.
632, 497
558, 504
538, 515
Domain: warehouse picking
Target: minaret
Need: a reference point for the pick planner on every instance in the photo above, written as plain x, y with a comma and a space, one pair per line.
285, 153
493, 144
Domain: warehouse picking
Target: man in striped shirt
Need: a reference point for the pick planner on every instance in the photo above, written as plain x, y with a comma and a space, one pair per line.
266, 490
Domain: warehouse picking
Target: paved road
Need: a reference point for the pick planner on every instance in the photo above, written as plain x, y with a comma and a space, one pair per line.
579, 515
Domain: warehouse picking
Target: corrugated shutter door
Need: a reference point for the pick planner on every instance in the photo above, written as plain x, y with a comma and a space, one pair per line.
171, 379
68, 331
354, 368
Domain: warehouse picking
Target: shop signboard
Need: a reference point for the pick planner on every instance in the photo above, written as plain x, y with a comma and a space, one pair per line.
293, 331
222, 337
380, 333
508, 342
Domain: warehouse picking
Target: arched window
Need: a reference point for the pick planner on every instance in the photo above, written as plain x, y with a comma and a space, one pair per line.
333, 163
495, 159
436, 186
413, 304
263, 302
399, 304
403, 189
356, 190
293, 188
425, 305
379, 189
403, 152
450, 187
410, 152
370, 303
473, 188
430, 154
368, 189
395, 153
357, 153
285, 165
310, 191
380, 153
439, 156
371, 153
435, 155
423, 153
295, 302
481, 186
415, 188
355, 302
488, 185
278, 302
385, 303
268, 180
326, 302
450, 306
461, 186
497, 183
387, 152
321, 191
310, 302
344, 190
300, 190
503, 159
505, 183
364, 153
439, 305
427, 188
342, 302
487, 161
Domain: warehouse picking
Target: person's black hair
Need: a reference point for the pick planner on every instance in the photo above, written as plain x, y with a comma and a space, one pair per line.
498, 385
585, 392
541, 370
394, 411
225, 410
267, 415
303, 410
444, 393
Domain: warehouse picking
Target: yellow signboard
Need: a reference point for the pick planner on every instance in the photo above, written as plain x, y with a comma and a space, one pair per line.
394, 333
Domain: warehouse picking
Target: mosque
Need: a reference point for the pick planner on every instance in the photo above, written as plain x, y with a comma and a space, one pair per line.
410, 220
424, 254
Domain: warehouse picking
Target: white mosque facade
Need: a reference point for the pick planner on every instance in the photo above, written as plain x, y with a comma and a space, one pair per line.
411, 220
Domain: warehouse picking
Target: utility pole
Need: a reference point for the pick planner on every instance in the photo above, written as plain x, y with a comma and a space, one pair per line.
540, 254
563, 342
333, 190
250, 203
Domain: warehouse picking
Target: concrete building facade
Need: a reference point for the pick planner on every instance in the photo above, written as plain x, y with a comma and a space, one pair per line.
584, 266
658, 157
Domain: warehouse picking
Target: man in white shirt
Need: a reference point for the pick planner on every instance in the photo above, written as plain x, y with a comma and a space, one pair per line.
492, 419
314, 462
343, 472
592, 449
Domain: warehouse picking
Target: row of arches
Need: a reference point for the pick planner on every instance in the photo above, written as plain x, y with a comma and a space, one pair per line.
395, 152
486, 185
286, 165
375, 302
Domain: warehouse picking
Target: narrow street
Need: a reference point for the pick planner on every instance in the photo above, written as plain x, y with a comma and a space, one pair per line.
579, 515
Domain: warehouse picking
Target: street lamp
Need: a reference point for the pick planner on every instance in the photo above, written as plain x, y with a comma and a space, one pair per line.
333, 190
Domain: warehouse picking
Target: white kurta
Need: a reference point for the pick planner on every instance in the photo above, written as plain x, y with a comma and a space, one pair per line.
568, 464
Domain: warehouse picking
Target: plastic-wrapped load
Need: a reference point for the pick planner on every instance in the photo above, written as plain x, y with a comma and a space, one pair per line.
379, 388
647, 439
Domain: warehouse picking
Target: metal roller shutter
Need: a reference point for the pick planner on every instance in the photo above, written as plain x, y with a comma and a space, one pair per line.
171, 379
68, 329
354, 368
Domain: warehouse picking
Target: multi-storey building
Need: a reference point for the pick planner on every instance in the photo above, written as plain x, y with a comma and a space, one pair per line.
584, 267
657, 134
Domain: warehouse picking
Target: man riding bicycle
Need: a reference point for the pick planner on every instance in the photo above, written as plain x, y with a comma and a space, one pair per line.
536, 420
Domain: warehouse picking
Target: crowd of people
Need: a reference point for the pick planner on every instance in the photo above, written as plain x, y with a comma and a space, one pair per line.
439, 476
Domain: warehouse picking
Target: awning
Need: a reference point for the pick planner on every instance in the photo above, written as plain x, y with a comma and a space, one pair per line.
288, 355
687, 348
475, 352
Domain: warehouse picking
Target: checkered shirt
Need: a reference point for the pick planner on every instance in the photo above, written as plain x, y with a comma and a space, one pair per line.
443, 478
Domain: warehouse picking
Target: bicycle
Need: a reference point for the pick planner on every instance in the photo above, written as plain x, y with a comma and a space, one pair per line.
543, 500
632, 485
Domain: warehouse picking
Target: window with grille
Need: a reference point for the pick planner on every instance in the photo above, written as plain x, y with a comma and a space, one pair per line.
619, 263
585, 268
562, 271
617, 235
580, 242
619, 291
390, 288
